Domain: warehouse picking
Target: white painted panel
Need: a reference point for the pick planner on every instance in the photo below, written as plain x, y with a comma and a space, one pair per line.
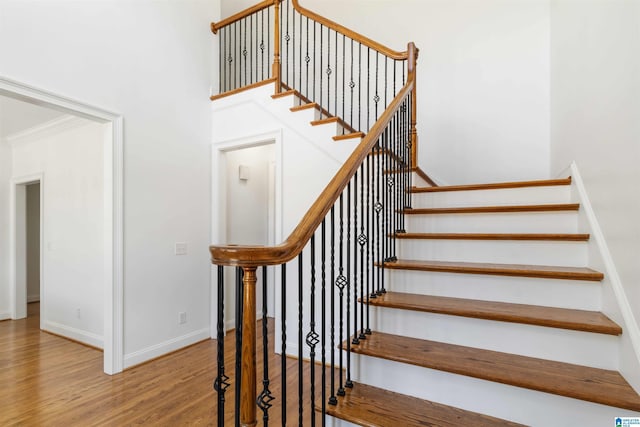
512, 222
570, 254
522, 290
498, 197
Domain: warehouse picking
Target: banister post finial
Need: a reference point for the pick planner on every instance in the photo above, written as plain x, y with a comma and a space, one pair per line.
412, 63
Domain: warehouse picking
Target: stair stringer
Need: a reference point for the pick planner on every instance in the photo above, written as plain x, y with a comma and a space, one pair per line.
615, 303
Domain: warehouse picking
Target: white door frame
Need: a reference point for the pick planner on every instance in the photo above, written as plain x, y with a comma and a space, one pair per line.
17, 215
113, 212
218, 199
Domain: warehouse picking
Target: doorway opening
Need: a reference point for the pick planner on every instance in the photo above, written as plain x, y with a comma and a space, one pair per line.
28, 244
246, 211
112, 261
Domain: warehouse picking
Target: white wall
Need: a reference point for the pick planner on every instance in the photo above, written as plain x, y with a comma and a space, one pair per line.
5, 176
70, 158
595, 111
483, 79
33, 242
152, 62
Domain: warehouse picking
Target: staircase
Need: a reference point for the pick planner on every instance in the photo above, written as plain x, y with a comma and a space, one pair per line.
490, 309
457, 305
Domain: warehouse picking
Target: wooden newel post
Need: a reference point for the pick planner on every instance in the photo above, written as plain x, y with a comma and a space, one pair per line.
248, 380
412, 62
276, 69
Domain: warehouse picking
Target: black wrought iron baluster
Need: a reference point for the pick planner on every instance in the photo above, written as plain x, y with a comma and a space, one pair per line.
362, 241
369, 240
314, 65
376, 97
332, 345
307, 59
262, 45
221, 383
269, 56
368, 85
360, 87
312, 336
287, 38
344, 77
250, 55
239, 316
221, 61
265, 397
355, 339
283, 355
300, 53
323, 317
341, 282
300, 348
410, 150
315, 62
378, 207
348, 382
386, 81
335, 81
395, 87
244, 51
329, 71
352, 85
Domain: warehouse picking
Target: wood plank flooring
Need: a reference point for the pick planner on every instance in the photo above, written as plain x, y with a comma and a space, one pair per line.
50, 381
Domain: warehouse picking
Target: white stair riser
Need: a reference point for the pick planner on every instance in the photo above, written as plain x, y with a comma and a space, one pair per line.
506, 196
582, 348
516, 222
571, 254
578, 294
517, 404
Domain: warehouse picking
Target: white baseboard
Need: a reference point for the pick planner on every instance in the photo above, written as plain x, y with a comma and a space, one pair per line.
165, 347
5, 315
75, 334
33, 298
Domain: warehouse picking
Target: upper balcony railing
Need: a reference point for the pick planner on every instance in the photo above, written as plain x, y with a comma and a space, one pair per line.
348, 75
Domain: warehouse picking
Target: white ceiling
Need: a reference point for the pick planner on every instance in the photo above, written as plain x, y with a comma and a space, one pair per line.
17, 116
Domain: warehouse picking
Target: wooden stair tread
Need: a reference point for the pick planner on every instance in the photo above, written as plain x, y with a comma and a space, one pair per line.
579, 320
283, 94
493, 186
304, 107
348, 136
494, 209
325, 121
540, 271
372, 406
580, 382
572, 237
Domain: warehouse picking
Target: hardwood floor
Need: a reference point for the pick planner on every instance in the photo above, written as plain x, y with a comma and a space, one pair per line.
50, 381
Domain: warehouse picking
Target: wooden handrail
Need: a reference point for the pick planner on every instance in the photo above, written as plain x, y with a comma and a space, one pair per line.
242, 14
252, 256
350, 33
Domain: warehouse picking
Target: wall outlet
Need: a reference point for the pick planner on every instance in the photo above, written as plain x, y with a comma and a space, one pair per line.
181, 248
78, 313
182, 317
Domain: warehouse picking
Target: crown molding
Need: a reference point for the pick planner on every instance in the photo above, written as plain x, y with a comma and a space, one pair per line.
46, 129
